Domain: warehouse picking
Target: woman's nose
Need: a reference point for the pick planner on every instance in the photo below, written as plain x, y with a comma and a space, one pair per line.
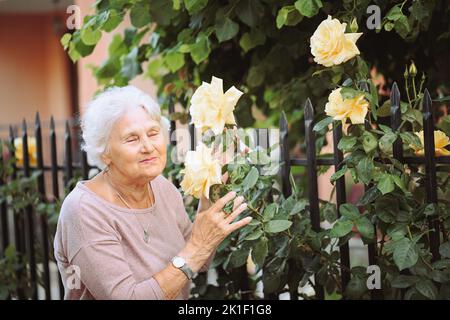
147, 145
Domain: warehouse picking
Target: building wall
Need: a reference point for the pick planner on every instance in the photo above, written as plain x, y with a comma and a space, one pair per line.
33, 69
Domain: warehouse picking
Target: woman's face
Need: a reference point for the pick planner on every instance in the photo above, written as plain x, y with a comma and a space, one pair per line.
137, 146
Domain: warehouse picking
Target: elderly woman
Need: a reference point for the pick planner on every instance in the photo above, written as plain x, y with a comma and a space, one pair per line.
125, 233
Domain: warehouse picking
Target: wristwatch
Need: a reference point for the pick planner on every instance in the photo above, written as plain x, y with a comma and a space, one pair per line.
180, 263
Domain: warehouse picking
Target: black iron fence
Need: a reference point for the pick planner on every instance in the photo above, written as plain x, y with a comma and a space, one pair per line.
31, 231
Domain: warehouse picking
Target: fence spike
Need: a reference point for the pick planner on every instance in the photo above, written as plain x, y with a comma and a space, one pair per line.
52, 124
24, 126
309, 110
430, 169
37, 120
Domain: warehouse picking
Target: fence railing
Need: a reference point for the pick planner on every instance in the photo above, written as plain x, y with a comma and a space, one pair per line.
30, 229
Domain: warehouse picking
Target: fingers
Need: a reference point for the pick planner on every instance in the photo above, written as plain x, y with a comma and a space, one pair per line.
225, 177
237, 202
236, 212
223, 201
240, 224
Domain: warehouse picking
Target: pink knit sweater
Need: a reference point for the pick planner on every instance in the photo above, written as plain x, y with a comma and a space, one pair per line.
100, 250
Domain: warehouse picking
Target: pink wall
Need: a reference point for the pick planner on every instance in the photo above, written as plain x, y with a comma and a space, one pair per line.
33, 69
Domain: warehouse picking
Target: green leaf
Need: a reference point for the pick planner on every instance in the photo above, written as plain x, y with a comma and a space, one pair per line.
226, 29
364, 169
308, 8
289, 16
386, 183
402, 26
413, 115
369, 196
341, 228
194, 6
251, 179
282, 16
130, 66
403, 281
385, 109
366, 228
400, 183
386, 142
330, 212
114, 19
200, 50
269, 211
347, 143
252, 40
356, 287
350, 93
444, 249
338, 174
174, 60
349, 211
90, 37
394, 14
65, 40
427, 288
254, 235
276, 226
406, 253
370, 141
322, 123
239, 257
140, 14
259, 251
249, 11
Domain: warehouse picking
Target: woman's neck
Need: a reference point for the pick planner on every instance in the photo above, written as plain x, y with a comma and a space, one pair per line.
137, 195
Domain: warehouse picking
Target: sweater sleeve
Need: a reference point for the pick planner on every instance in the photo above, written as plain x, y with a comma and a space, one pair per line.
107, 275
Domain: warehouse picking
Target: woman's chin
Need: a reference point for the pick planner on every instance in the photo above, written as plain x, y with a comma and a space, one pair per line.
150, 170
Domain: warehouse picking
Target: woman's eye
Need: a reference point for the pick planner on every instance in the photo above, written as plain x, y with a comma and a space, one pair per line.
131, 139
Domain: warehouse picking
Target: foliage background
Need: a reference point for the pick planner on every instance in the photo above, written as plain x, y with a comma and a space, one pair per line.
262, 47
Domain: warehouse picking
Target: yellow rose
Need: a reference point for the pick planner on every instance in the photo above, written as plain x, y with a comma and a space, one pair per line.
31, 151
330, 45
355, 109
211, 108
201, 172
440, 142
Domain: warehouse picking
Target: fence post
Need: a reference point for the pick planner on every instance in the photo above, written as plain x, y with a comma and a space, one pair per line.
311, 167
285, 158
43, 217
341, 199
55, 184
68, 151
430, 169
29, 214
18, 221
396, 119
3, 209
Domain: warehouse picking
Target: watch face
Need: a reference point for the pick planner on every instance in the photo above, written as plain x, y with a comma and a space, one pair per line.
178, 262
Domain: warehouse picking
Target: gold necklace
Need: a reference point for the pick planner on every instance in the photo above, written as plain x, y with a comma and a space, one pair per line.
152, 207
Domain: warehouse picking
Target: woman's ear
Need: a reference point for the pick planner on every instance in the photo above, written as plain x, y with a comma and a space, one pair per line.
106, 159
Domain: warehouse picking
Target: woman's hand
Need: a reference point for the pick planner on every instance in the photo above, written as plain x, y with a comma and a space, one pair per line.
213, 225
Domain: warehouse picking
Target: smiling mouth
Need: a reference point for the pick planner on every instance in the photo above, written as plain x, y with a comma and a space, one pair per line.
148, 160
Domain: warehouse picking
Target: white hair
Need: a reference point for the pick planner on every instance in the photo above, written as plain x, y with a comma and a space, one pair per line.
103, 112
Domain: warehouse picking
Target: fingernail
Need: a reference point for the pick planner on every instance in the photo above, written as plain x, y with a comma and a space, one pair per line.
244, 205
240, 198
